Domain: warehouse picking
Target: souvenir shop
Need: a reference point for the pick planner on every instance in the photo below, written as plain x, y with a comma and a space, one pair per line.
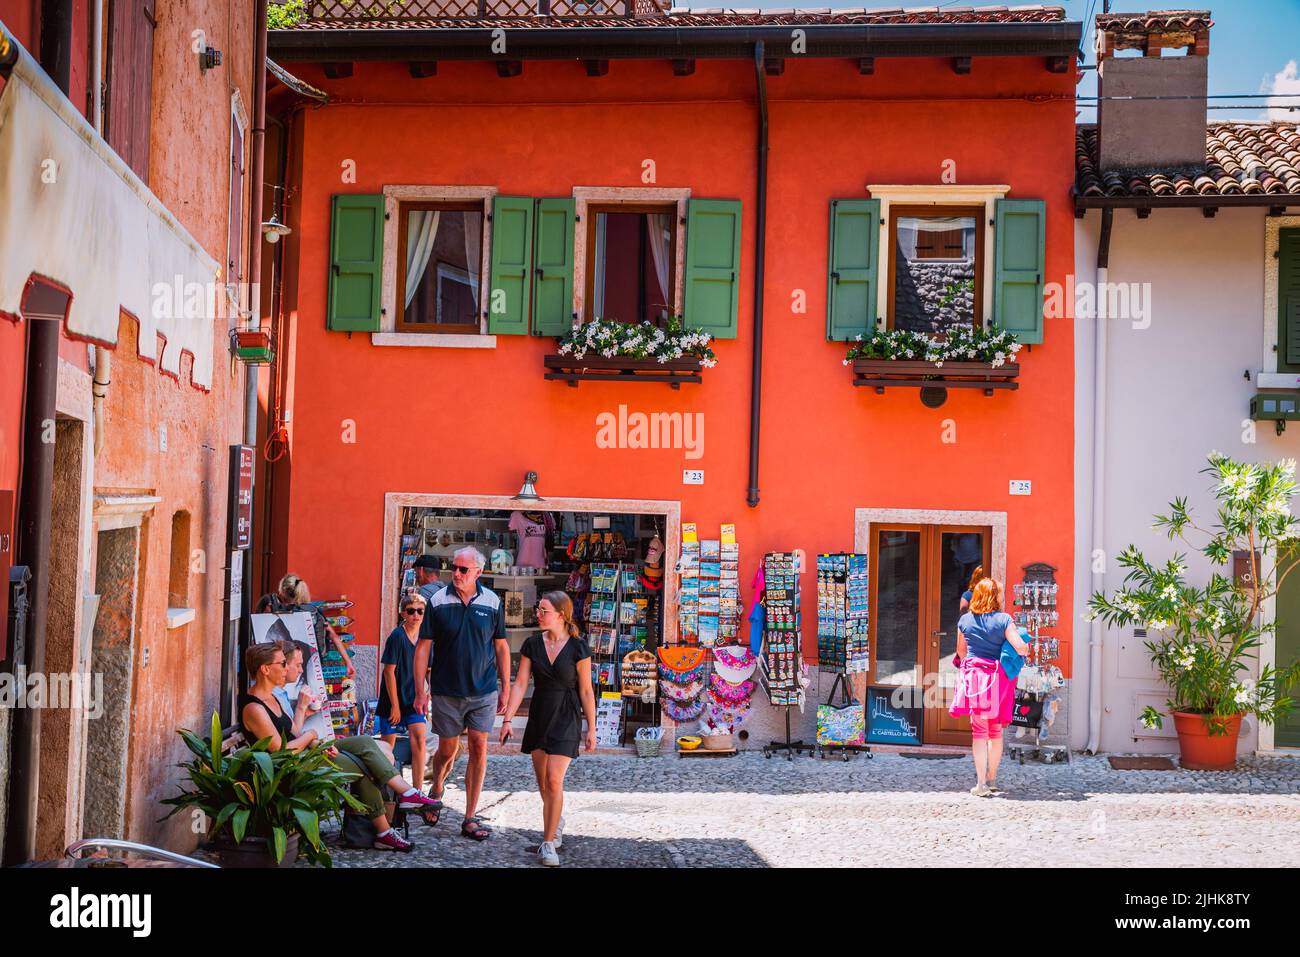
611, 564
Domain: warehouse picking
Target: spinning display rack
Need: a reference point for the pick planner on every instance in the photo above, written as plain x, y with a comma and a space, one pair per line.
1035, 604
781, 664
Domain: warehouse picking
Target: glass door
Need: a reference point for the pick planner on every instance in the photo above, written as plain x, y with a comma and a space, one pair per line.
918, 575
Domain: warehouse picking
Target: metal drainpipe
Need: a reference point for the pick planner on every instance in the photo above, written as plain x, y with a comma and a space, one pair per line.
256, 144
760, 227
1098, 477
103, 371
272, 396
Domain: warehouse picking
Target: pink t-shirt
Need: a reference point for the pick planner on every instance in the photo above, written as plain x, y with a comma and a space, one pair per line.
532, 540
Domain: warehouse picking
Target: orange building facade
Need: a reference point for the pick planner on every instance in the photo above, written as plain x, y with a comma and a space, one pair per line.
386, 417
124, 234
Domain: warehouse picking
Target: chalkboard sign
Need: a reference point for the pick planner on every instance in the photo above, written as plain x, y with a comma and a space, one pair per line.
888, 723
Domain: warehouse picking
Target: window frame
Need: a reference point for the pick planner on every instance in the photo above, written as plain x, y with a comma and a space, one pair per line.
589, 278
586, 198
400, 325
976, 211
394, 195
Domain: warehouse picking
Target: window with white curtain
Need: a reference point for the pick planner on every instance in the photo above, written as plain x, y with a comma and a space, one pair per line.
632, 255
440, 261
937, 259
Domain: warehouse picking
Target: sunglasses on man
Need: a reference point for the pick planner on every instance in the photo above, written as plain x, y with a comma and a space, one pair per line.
463, 569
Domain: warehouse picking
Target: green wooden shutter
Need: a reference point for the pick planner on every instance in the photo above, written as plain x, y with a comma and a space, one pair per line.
512, 262
553, 268
851, 281
713, 266
356, 262
1288, 300
1019, 266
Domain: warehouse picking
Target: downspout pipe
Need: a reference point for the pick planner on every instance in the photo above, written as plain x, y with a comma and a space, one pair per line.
1098, 479
256, 146
760, 249
103, 370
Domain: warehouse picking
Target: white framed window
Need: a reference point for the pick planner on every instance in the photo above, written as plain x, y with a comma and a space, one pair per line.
437, 242
629, 244
940, 235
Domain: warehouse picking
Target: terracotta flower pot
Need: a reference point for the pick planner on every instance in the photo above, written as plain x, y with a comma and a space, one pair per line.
1201, 751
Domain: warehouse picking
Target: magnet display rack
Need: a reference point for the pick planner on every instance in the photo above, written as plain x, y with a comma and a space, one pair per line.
1035, 604
780, 666
843, 646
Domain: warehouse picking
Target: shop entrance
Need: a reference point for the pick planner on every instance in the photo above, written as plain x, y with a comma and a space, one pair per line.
602, 553
919, 574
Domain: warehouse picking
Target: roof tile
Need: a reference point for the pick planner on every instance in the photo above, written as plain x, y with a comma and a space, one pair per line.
1240, 159
431, 15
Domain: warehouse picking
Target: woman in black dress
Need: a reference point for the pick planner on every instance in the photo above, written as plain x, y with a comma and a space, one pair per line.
559, 662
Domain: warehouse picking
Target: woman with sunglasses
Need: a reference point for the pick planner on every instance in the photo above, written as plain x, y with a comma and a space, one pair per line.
397, 712
559, 662
262, 716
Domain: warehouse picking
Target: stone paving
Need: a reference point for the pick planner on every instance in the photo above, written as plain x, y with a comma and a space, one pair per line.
890, 810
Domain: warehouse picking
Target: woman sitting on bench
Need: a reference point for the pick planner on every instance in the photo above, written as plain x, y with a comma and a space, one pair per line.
262, 716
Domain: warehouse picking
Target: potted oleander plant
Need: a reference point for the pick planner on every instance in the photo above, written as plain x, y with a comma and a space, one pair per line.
263, 807
1205, 637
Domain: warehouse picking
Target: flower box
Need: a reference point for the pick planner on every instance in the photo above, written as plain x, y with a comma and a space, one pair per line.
564, 368
882, 374
252, 346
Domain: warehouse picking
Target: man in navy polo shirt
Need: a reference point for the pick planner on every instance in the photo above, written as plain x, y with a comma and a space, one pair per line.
469, 676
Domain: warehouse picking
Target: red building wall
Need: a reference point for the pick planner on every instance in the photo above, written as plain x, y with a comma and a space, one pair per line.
470, 420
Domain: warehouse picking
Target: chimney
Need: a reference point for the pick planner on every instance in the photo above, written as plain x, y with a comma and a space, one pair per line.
1164, 133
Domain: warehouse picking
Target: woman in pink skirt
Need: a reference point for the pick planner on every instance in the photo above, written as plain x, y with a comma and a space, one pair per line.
984, 692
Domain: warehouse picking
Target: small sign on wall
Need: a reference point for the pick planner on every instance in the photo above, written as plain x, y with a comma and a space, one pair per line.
692, 476
1021, 487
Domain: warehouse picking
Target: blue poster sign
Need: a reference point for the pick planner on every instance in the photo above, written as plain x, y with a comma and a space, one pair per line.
890, 723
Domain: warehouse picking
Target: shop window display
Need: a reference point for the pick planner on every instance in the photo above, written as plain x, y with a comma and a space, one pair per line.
611, 566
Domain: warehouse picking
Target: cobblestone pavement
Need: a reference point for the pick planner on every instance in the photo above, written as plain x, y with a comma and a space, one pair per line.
891, 810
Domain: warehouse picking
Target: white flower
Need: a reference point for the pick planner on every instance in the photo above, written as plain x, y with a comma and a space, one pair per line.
1244, 692
1169, 592
1288, 466
1157, 624
847, 362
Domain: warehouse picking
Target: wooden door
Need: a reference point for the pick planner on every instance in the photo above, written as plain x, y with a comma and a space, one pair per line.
918, 574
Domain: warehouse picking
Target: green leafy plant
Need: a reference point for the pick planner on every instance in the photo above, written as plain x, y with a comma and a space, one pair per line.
955, 289
256, 792
958, 344
1208, 634
642, 340
285, 15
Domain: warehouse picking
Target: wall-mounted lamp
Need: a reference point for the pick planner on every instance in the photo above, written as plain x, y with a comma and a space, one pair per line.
273, 229
529, 491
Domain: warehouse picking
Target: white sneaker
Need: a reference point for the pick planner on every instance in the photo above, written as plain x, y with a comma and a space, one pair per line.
559, 834
547, 854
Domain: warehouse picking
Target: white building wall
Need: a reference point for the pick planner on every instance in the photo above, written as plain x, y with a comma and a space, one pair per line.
1176, 389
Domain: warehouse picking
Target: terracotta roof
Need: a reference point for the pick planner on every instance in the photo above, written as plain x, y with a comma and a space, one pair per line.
1035, 13
1156, 21
1241, 159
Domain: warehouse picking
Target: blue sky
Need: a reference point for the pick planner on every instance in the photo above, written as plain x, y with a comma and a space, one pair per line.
1254, 44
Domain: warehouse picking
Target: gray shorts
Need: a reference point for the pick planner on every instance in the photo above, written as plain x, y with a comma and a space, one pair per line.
452, 715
